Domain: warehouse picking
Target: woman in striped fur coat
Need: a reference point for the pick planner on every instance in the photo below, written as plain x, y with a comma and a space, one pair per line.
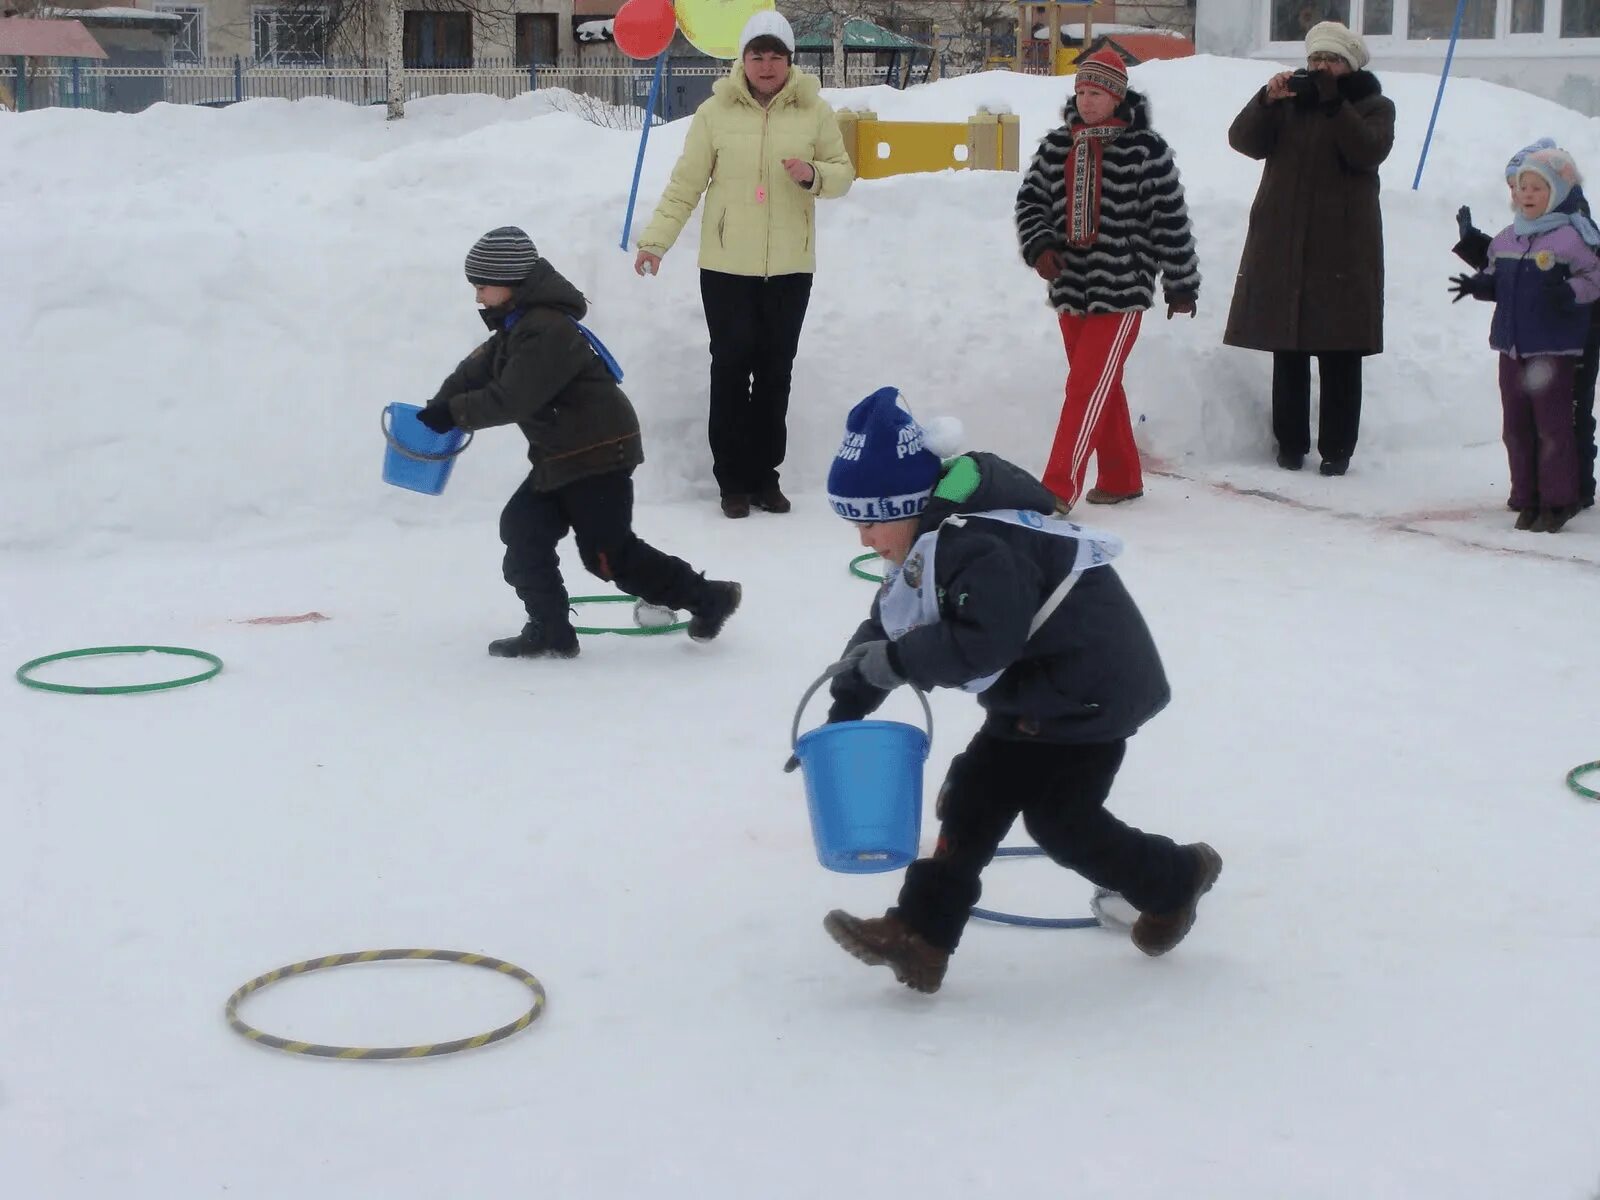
1099, 215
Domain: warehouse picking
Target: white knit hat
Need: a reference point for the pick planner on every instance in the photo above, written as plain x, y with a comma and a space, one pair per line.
1330, 37
769, 22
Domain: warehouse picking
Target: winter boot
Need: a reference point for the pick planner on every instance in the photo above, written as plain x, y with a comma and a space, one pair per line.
538, 641
1334, 466
771, 500
886, 942
735, 506
1156, 933
1291, 462
717, 603
1101, 496
1553, 520
1526, 518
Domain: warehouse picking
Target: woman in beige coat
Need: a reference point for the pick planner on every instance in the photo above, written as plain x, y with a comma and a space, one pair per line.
761, 151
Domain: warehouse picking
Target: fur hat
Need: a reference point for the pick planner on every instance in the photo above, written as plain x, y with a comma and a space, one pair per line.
502, 257
767, 23
1556, 167
1105, 70
1330, 37
886, 468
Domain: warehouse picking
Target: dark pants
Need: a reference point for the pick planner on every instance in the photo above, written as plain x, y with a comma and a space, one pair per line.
1339, 413
1537, 410
755, 331
599, 511
1060, 792
1583, 414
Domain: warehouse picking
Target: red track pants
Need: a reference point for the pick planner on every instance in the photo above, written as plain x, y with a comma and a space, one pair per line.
1094, 417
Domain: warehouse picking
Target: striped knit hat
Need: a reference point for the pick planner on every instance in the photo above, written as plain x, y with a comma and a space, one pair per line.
503, 256
1105, 70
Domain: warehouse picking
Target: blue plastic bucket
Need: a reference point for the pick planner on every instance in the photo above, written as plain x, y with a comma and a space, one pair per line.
864, 790
416, 457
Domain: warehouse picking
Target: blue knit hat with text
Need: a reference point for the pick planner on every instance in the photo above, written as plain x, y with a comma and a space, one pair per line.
884, 471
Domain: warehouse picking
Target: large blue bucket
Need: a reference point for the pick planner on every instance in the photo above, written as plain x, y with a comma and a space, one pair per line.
417, 458
863, 788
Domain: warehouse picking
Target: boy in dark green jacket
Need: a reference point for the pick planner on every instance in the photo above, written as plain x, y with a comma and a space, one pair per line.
540, 370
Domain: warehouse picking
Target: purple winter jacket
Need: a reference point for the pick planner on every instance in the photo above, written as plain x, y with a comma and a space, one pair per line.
1527, 320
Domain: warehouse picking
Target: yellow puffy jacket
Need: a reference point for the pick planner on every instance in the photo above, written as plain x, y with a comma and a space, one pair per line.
757, 221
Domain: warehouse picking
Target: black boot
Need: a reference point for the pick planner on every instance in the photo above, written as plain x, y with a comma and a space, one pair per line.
1291, 462
718, 600
1334, 466
538, 640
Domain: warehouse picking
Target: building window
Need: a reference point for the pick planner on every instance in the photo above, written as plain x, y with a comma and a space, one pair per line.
1580, 18
1527, 16
1431, 19
1291, 18
438, 39
189, 47
294, 36
1377, 18
536, 39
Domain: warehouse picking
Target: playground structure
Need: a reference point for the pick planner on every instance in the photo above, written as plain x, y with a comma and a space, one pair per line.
986, 141
1046, 55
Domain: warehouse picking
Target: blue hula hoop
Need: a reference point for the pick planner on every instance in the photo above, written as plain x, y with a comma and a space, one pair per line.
1005, 918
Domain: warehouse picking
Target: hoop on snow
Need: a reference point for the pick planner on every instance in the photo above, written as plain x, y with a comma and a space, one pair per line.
1572, 779
625, 630
231, 1011
118, 689
1005, 918
860, 573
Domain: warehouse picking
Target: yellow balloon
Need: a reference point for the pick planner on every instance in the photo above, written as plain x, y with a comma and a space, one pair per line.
713, 26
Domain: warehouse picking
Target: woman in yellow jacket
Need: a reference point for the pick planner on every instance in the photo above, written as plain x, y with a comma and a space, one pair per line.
761, 150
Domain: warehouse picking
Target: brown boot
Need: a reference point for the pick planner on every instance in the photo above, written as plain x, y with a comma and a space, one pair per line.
1101, 496
771, 500
1156, 933
735, 506
886, 942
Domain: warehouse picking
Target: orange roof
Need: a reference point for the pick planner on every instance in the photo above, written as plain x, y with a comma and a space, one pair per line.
1143, 47
31, 38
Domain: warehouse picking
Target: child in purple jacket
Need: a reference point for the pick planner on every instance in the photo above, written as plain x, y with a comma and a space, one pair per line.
1543, 277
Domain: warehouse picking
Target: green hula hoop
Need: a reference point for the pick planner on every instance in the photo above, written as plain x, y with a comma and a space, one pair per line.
626, 631
432, 1050
856, 570
1572, 779
121, 689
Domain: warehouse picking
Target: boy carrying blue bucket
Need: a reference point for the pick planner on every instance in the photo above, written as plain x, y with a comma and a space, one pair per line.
540, 370
990, 591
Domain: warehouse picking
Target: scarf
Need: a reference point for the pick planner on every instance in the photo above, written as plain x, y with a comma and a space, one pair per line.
1083, 179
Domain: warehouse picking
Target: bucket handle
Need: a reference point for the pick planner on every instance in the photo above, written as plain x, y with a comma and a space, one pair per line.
417, 455
839, 668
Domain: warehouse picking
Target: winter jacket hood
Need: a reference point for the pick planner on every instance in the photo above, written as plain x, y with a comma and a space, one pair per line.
756, 221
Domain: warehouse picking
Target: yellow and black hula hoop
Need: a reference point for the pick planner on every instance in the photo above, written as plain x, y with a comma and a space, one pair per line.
231, 1011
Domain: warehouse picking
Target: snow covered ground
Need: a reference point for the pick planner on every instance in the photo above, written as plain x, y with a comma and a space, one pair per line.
1378, 686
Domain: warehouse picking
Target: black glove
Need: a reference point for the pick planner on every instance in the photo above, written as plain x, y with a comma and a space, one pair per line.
1464, 226
1327, 86
1559, 295
873, 662
437, 418
1479, 287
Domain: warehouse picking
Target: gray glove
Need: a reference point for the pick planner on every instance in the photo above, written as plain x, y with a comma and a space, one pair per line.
872, 662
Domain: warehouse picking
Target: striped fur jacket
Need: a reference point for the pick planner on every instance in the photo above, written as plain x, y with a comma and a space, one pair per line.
1144, 223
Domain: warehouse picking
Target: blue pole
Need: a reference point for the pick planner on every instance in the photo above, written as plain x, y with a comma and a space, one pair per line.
644, 138
1450, 53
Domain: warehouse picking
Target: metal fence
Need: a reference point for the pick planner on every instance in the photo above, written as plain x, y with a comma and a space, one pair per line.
218, 82
229, 81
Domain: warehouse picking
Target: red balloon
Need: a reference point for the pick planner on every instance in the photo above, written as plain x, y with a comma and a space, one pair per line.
644, 28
